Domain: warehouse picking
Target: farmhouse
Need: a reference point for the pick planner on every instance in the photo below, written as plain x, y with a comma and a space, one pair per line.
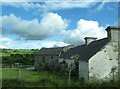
47, 58
97, 58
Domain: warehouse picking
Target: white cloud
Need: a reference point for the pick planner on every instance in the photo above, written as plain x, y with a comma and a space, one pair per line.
5, 42
56, 4
85, 28
2, 39
29, 44
67, 5
50, 6
25, 5
39, 8
2, 46
50, 24
87, 0
101, 6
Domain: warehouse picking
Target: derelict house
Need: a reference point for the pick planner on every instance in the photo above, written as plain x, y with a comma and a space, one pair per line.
47, 58
97, 58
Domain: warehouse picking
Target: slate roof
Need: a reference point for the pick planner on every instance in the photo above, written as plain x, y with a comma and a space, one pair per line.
50, 51
85, 52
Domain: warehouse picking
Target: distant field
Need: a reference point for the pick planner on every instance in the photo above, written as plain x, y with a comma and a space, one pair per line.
8, 52
12, 56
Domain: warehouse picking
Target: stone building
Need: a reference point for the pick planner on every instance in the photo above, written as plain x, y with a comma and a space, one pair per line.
47, 58
97, 58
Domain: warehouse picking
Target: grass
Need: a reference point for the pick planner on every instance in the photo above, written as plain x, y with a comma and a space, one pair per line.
25, 75
29, 78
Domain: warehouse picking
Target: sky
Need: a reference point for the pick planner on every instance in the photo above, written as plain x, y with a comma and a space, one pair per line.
33, 25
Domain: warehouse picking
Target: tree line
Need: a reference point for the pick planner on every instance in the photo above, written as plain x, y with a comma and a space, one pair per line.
25, 59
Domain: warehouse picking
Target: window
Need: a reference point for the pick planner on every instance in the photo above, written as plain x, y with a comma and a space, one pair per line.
110, 59
64, 61
43, 58
51, 57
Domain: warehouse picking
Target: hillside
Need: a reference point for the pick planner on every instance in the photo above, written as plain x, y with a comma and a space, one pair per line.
8, 52
12, 56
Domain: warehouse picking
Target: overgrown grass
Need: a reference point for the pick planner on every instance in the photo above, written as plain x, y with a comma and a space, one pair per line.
31, 78
48, 79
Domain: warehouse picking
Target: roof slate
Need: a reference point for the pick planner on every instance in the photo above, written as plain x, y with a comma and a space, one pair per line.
85, 52
50, 51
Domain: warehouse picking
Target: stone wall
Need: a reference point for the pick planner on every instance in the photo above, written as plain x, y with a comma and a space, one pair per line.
50, 61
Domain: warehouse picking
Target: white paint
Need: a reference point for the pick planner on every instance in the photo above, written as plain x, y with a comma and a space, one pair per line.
83, 70
101, 63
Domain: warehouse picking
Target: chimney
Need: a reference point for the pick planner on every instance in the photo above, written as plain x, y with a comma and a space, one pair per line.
113, 33
114, 36
89, 40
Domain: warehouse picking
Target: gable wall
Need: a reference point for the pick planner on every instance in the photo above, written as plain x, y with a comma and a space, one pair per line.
101, 63
49, 60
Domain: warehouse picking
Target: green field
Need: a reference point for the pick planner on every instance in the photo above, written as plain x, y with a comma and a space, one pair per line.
12, 56
23, 77
8, 52
27, 78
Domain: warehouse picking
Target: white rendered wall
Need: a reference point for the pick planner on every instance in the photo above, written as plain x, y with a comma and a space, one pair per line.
83, 70
101, 63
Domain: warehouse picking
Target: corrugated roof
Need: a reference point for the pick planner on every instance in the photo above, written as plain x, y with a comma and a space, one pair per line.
85, 52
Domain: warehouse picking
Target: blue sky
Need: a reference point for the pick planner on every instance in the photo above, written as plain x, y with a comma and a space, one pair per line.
50, 24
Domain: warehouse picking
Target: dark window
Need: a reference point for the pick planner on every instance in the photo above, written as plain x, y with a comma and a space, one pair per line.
60, 62
51, 57
110, 59
43, 58
64, 61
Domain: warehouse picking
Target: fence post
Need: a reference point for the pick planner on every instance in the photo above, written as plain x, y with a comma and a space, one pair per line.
18, 76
